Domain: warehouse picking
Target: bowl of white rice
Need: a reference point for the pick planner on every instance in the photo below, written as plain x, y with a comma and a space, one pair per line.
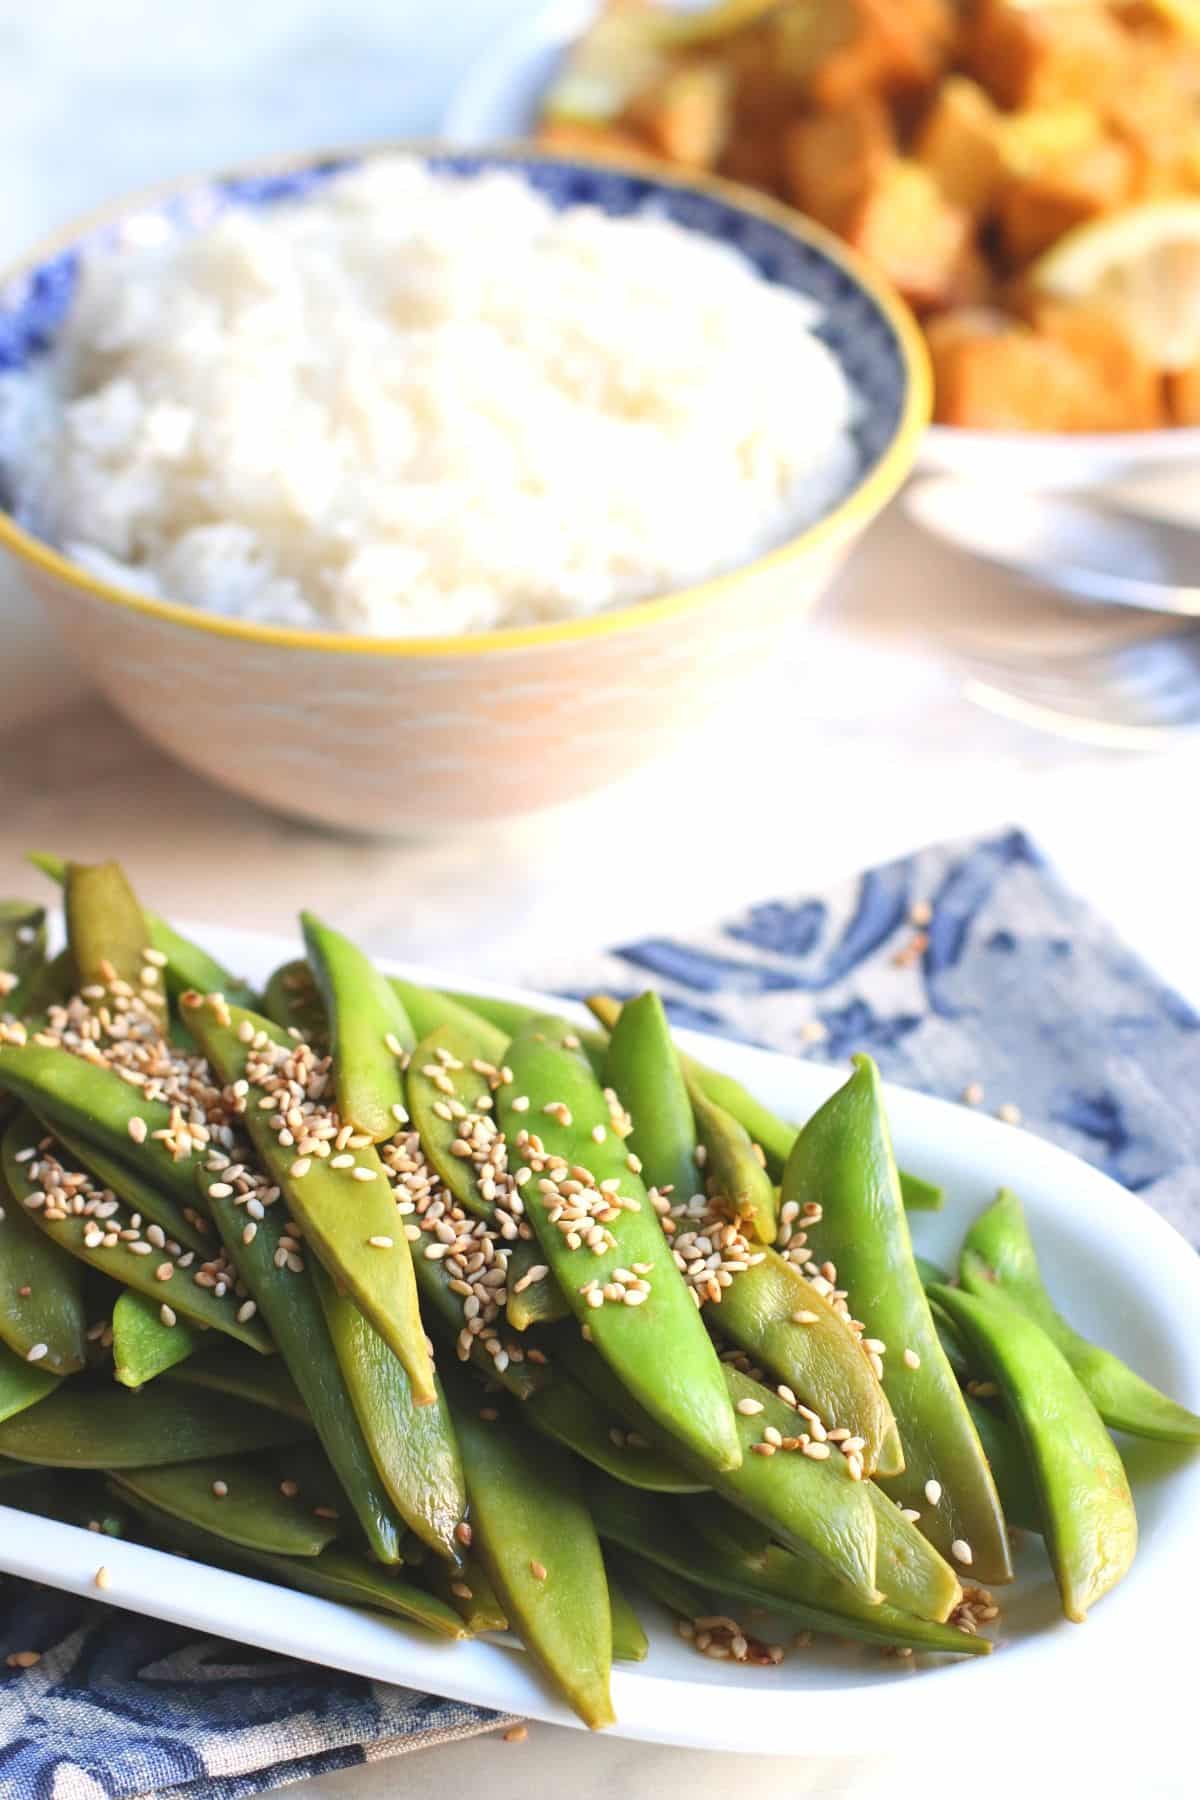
415, 488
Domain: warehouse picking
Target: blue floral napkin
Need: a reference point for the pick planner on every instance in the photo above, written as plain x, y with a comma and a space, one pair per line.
964, 967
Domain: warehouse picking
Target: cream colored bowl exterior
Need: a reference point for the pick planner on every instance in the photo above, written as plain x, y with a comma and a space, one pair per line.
381, 743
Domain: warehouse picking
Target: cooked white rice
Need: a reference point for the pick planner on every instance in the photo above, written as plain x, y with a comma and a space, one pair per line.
421, 403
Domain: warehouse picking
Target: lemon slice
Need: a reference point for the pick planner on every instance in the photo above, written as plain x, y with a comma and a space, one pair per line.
1145, 264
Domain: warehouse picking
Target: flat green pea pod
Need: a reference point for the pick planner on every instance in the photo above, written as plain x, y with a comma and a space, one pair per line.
629, 1640
185, 1224
287, 1299
745, 1566
187, 965
22, 1383
907, 1567
429, 1009
810, 1502
86, 1100
370, 1032
469, 1591
773, 1135
336, 1574
236, 1497
82, 1426
22, 953
96, 1240
734, 1178
441, 1070
1009, 1464
772, 1313
42, 1311
1089, 1523
227, 1368
143, 1346
413, 1447
536, 1538
107, 933
643, 1067
654, 1340
999, 1256
347, 1212
293, 1000
511, 1016
843, 1165
563, 1411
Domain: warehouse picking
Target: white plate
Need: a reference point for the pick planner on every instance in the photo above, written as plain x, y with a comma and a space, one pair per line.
1121, 1274
498, 100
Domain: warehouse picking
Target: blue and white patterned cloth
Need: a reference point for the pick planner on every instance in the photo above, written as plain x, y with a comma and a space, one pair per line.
1019, 988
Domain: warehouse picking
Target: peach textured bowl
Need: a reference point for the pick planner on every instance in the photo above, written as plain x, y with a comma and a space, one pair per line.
399, 734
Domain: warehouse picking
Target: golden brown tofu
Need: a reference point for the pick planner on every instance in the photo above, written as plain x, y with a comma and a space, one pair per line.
1183, 396
1129, 388
1156, 112
833, 160
961, 144
906, 227
686, 114
1034, 212
916, 37
1042, 55
830, 52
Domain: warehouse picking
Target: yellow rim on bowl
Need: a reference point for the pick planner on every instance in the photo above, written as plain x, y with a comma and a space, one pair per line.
859, 506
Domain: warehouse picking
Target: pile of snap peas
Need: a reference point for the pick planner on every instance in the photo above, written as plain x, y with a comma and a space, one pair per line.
428, 1303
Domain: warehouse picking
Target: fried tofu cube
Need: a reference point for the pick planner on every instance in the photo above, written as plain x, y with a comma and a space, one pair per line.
909, 230
1129, 389
1042, 55
961, 144
833, 160
831, 52
916, 38
1034, 212
1183, 396
686, 114
1157, 114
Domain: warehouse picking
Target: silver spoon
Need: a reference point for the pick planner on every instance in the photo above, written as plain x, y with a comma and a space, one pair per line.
1092, 549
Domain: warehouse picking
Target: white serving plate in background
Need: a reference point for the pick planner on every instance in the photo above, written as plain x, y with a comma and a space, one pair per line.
1120, 1273
498, 101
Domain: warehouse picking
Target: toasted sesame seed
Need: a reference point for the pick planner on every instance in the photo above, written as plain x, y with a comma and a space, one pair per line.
911, 1359
380, 1243
961, 1551
289, 1489
462, 1590
464, 1534
749, 1406
933, 1492
246, 1312
167, 1314
537, 1570
516, 1734
488, 1414
301, 1166
818, 1452
102, 1578
598, 1134
521, 1103
36, 1352
220, 1489
344, 1161
804, 1318
24, 1659
910, 1513
392, 1043
365, 1174
138, 1129
1009, 1114
973, 1094
325, 1512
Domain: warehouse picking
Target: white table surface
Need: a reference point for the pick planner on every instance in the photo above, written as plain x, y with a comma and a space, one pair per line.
858, 746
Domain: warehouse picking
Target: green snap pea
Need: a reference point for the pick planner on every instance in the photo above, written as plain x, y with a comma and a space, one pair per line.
187, 965
643, 1066
907, 1567
82, 1426
658, 1349
22, 953
287, 1299
106, 931
187, 1226
562, 1410
341, 1210
293, 1000
227, 1368
511, 1016
811, 1504
336, 1574
537, 1541
237, 1498
88, 1101
843, 1164
369, 1031
429, 1077
780, 1320
919, 1195
41, 1292
469, 1591
733, 1176
413, 1447
143, 1346
758, 1574
1090, 1527
80, 1237
430, 1009
999, 1256
929, 1271
629, 1640
22, 1383
1010, 1466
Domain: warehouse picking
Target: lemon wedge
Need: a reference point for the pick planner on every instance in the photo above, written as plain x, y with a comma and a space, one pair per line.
1144, 263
